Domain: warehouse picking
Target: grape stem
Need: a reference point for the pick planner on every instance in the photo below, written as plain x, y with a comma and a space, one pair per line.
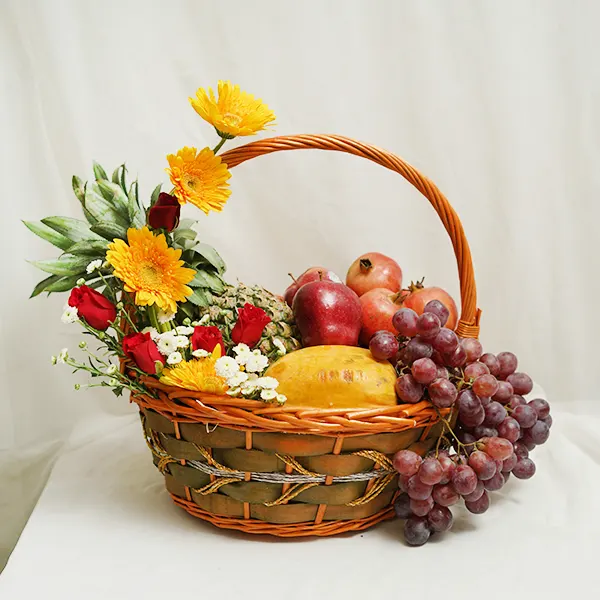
460, 447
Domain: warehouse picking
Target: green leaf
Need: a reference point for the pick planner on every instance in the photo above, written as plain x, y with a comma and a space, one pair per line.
64, 284
78, 188
199, 298
184, 234
101, 209
110, 230
186, 224
74, 229
204, 279
115, 195
212, 256
48, 234
41, 286
155, 194
65, 265
99, 172
188, 309
137, 216
89, 248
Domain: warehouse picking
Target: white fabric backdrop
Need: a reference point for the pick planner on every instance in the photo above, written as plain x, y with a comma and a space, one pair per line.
496, 102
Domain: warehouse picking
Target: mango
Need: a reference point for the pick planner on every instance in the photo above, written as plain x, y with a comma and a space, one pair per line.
334, 377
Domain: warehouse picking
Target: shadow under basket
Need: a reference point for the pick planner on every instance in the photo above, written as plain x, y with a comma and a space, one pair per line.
296, 471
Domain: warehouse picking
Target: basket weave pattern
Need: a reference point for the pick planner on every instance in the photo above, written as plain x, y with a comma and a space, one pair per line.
293, 471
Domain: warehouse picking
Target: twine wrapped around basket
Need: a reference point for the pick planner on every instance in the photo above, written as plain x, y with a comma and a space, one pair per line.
293, 471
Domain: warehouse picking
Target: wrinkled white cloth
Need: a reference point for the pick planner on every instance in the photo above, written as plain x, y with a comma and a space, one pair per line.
106, 528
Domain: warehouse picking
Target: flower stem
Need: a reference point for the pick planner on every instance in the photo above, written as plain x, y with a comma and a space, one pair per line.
219, 145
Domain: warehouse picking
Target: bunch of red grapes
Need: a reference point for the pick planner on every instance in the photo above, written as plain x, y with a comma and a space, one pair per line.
496, 427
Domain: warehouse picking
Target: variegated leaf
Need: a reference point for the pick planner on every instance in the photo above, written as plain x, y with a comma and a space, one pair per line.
48, 234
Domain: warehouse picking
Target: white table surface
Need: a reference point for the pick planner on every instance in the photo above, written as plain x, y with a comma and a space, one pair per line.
105, 528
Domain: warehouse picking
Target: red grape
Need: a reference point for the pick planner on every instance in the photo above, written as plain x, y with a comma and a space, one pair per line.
424, 370
466, 438
408, 389
521, 383
524, 469
474, 370
498, 447
483, 465
476, 494
417, 348
481, 431
430, 471
405, 322
521, 450
445, 495
421, 507
402, 507
440, 519
442, 373
468, 403
491, 362
547, 420
407, 462
473, 349
445, 341
542, 408
418, 490
473, 420
464, 480
508, 364
485, 385
539, 433
448, 467
479, 506
455, 359
516, 400
442, 393
495, 413
509, 464
504, 393
416, 531
428, 326
493, 484
484, 400
403, 483
383, 345
509, 429
438, 309
525, 415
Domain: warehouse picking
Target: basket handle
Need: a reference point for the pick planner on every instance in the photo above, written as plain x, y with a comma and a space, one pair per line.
468, 325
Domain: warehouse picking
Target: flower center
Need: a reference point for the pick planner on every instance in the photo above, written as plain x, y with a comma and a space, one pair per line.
149, 275
232, 119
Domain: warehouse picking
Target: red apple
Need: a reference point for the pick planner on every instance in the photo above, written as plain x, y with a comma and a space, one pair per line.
327, 313
378, 307
374, 270
312, 274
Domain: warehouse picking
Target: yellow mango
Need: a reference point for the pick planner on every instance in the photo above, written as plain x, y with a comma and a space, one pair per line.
334, 377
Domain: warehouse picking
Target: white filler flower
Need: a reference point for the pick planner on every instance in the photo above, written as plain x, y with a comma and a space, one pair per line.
94, 266
174, 358
256, 362
200, 353
266, 383
226, 367
268, 395
237, 380
182, 341
167, 343
164, 317
184, 330
70, 315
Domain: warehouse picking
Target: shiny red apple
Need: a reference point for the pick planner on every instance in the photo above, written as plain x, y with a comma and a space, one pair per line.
312, 274
327, 313
374, 270
378, 307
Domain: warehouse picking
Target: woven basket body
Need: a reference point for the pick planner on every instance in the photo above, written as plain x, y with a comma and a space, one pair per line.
292, 471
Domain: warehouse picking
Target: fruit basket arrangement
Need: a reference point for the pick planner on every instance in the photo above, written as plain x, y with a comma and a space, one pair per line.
324, 410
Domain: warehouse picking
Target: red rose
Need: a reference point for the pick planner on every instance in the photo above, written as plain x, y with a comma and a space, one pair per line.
165, 213
207, 338
250, 325
141, 348
97, 310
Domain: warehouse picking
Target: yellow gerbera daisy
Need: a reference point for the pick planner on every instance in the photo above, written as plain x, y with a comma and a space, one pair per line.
150, 269
197, 374
234, 113
199, 178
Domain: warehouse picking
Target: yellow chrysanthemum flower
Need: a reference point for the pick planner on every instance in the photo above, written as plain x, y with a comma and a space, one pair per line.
197, 374
199, 178
234, 113
150, 269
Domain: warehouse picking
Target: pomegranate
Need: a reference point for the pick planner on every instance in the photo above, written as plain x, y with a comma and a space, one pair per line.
378, 307
312, 274
417, 296
374, 270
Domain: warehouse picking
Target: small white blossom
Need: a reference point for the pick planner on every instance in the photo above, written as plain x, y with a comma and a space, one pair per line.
226, 367
182, 341
154, 334
242, 349
70, 315
281, 398
111, 370
280, 346
268, 395
248, 391
166, 343
174, 358
203, 320
94, 266
80, 281
120, 306
113, 382
256, 362
233, 392
237, 380
63, 355
266, 383
184, 330
200, 353
164, 316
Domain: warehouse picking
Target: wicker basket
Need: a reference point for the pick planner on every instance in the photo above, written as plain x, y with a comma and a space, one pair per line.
292, 471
